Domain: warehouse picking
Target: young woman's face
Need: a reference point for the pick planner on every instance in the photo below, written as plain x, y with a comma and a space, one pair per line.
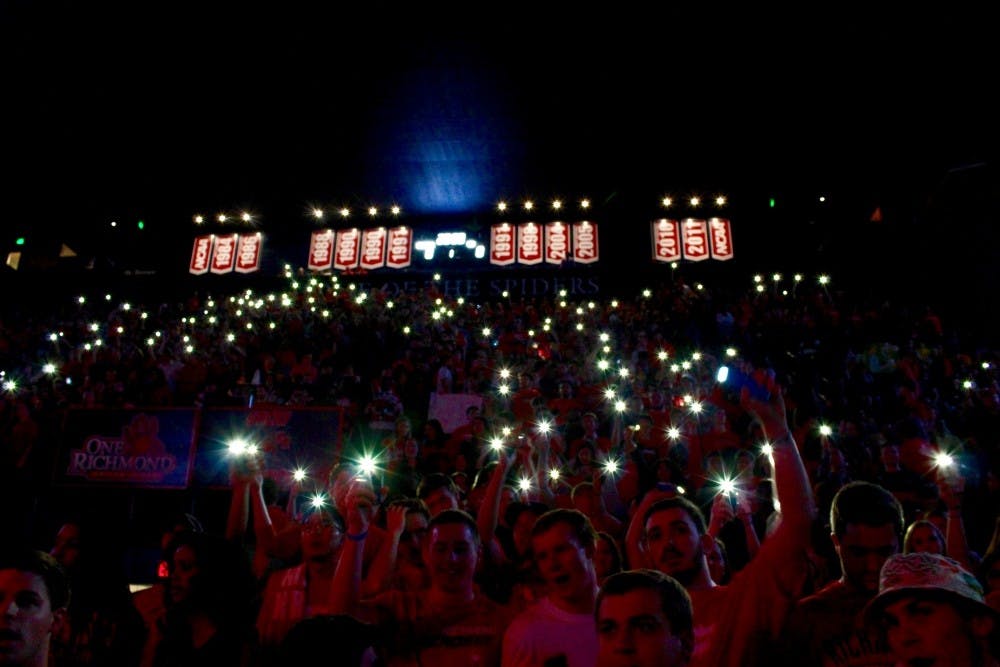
604, 559
925, 539
716, 563
183, 569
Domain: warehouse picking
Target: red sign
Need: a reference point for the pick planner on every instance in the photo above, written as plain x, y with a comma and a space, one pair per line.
502, 244
399, 247
721, 236
201, 254
224, 256
666, 240
695, 235
348, 254
373, 248
321, 250
556, 243
585, 247
248, 253
529, 243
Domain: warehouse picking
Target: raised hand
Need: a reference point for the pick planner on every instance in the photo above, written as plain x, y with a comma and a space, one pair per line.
395, 520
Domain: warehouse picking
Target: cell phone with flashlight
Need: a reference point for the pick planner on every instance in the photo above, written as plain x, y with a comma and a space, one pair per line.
737, 379
734, 499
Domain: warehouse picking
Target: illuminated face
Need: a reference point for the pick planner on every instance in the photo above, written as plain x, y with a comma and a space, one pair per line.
890, 456
563, 563
320, 536
924, 539
633, 631
522, 530
66, 547
925, 632
361, 490
183, 570
451, 555
26, 617
863, 550
674, 545
439, 500
413, 537
604, 559
716, 563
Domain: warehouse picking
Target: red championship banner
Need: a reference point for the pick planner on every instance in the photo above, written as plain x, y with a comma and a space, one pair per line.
666, 240
400, 241
529, 243
585, 247
695, 236
556, 242
201, 255
224, 255
248, 253
373, 248
502, 239
721, 238
321, 250
348, 255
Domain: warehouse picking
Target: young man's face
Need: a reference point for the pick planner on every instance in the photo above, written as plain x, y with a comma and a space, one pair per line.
320, 536
863, 550
414, 535
633, 631
451, 555
565, 565
931, 633
439, 500
674, 545
26, 617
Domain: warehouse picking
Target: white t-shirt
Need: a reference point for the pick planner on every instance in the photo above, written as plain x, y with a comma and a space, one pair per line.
545, 632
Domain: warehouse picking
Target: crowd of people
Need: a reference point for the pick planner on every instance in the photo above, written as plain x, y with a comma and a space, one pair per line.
611, 498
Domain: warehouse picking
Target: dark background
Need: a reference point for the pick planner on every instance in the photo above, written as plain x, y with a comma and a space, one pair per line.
119, 112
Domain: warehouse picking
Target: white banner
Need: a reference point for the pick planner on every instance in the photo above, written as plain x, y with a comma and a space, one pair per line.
585, 246
502, 244
400, 239
348, 253
666, 240
373, 248
695, 239
224, 255
201, 254
248, 253
721, 236
529, 243
321, 250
